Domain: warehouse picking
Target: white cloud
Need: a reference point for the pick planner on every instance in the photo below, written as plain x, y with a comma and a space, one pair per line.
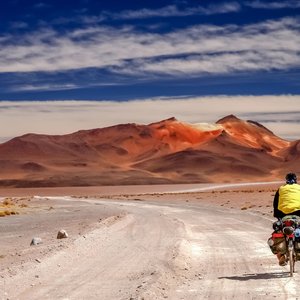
175, 11
56, 87
146, 13
43, 87
281, 114
193, 50
221, 63
274, 4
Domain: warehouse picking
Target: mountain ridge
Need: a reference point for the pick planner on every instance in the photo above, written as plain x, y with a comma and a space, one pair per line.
168, 151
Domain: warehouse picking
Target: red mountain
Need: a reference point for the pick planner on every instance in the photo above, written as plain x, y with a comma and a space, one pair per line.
164, 152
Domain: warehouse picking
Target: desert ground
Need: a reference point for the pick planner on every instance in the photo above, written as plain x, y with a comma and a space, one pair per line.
141, 242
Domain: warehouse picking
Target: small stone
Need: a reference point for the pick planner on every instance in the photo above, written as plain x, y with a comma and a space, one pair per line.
35, 241
62, 234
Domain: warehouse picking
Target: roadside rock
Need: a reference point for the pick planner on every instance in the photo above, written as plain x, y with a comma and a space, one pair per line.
62, 234
35, 241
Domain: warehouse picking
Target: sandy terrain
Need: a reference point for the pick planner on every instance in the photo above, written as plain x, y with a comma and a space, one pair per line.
209, 244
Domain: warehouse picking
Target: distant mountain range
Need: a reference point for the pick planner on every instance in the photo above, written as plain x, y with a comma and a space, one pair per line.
169, 151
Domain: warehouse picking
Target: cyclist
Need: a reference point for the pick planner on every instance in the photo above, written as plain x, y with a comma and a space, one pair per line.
287, 202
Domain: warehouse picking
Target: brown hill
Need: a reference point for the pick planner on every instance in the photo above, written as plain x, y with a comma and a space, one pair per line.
252, 134
169, 151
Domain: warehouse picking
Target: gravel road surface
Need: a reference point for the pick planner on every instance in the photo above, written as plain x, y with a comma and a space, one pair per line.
161, 251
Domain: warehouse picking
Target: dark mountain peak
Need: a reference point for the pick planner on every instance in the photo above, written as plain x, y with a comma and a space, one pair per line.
249, 124
229, 118
169, 120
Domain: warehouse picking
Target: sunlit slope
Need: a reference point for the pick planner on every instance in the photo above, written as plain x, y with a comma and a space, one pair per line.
169, 151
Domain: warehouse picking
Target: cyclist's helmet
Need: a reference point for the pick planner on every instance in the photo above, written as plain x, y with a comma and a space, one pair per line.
291, 178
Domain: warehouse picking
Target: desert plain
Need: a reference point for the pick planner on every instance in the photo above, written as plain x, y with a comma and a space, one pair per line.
189, 241
168, 210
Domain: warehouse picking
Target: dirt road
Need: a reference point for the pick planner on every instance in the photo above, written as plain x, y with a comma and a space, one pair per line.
161, 251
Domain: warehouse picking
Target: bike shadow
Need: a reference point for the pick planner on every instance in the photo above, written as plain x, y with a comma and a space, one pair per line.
257, 276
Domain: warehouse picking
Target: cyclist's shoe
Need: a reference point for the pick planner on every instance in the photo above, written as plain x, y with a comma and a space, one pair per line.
282, 260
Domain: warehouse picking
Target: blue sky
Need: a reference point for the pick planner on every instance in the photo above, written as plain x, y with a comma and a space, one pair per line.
123, 50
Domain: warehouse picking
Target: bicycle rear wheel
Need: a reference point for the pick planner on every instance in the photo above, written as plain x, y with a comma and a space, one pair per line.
291, 257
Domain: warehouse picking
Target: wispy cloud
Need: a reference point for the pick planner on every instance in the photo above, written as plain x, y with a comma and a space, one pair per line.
196, 50
57, 87
18, 25
70, 116
175, 11
169, 11
221, 63
274, 4
43, 87
41, 5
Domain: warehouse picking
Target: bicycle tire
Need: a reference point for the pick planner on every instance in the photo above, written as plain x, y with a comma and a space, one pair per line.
291, 257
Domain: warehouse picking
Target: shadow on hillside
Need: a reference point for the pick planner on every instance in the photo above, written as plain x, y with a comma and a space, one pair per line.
257, 276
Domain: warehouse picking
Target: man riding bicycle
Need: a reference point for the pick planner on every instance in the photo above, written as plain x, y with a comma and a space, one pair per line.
286, 203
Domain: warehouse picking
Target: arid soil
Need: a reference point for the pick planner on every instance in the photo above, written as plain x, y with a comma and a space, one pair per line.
156, 242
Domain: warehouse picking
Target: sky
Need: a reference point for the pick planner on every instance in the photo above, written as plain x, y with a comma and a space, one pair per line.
165, 52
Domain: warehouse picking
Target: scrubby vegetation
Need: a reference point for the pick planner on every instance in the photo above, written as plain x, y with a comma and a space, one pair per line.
10, 207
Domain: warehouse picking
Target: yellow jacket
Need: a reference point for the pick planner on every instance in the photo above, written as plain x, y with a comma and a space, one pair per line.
289, 198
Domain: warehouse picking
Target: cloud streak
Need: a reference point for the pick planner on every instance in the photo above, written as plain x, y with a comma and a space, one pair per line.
168, 11
43, 87
175, 11
274, 4
195, 50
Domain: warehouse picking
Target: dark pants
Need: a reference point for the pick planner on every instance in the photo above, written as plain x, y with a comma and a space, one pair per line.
281, 214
